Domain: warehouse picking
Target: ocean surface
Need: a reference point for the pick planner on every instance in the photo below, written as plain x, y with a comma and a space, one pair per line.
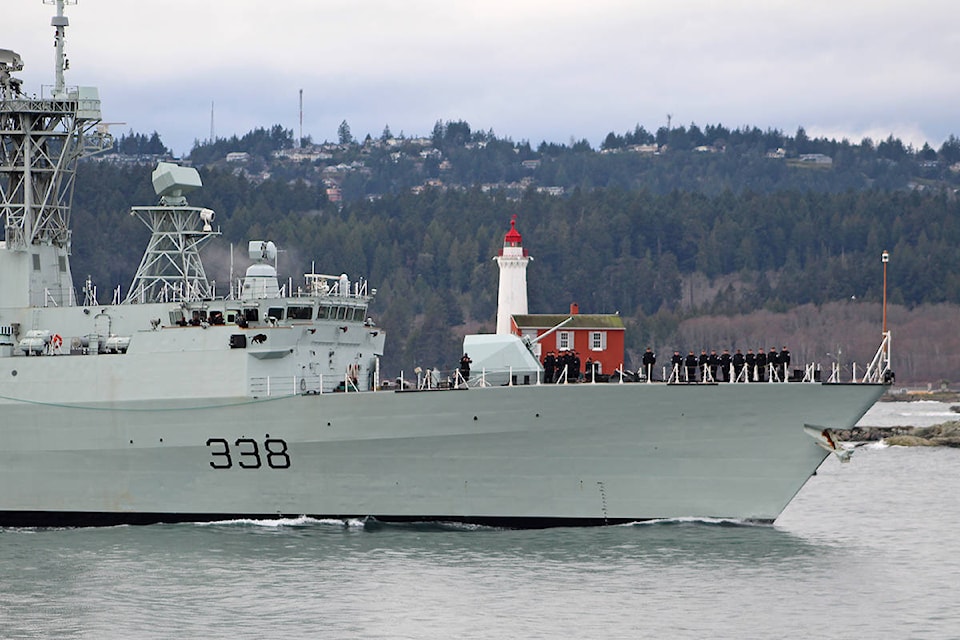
869, 549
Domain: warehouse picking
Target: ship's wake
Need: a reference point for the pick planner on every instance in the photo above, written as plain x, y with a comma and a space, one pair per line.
288, 523
699, 521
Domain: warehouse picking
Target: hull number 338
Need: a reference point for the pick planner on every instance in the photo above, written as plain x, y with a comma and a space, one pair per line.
247, 453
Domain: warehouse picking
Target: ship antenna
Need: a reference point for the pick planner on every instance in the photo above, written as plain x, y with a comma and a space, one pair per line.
60, 22
879, 369
885, 258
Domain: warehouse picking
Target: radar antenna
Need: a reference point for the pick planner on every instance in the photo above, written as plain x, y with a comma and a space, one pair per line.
171, 268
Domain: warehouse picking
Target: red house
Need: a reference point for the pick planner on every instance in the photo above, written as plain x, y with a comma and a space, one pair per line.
596, 337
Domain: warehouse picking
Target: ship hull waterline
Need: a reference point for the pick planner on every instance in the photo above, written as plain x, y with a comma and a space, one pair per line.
516, 456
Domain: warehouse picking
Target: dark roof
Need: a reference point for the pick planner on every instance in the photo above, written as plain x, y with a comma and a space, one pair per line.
580, 321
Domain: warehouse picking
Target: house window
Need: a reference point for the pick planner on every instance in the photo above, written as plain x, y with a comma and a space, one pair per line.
598, 340
564, 340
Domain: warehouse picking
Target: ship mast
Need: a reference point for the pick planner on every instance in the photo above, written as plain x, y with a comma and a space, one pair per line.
171, 268
41, 140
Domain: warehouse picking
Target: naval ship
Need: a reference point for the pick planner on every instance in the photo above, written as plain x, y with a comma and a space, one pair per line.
176, 404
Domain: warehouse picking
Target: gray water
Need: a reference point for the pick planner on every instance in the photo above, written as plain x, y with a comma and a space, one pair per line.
869, 549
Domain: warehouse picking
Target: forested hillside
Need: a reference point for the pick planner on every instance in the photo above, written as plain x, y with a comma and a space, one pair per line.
695, 250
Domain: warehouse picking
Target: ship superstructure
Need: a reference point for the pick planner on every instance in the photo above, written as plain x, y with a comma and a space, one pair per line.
181, 402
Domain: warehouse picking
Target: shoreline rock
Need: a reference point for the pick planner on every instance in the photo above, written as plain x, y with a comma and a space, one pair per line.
904, 395
946, 434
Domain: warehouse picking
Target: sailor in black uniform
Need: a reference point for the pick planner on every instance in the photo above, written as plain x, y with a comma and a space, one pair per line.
549, 365
738, 363
713, 361
725, 361
785, 362
691, 365
751, 362
649, 359
677, 363
761, 364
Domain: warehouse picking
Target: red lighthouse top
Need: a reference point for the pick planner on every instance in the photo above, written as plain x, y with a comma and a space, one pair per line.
513, 238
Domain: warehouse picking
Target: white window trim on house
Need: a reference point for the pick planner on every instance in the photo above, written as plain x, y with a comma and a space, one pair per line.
564, 340
598, 341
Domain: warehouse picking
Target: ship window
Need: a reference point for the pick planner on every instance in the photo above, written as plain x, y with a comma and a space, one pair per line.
564, 340
323, 312
176, 317
598, 340
358, 314
300, 313
251, 315
276, 313
63, 264
36, 262
341, 312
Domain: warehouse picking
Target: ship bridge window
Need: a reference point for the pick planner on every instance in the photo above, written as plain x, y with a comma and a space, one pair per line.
323, 312
252, 314
176, 318
63, 264
36, 262
341, 313
359, 314
300, 313
275, 312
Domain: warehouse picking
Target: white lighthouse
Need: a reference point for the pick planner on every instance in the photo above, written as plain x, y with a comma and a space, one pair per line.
512, 297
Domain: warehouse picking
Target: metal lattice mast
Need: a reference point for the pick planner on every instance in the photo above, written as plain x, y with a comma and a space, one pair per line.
41, 140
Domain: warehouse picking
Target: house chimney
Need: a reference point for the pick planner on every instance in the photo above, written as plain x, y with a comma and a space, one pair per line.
574, 308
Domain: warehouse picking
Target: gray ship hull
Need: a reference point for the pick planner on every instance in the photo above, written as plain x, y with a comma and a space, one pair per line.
174, 403
531, 455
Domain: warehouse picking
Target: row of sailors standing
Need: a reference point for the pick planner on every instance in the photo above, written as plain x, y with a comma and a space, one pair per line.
564, 367
725, 367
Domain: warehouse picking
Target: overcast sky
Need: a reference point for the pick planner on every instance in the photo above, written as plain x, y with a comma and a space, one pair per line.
528, 69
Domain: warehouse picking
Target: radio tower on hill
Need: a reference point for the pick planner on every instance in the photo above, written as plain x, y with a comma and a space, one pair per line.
512, 260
